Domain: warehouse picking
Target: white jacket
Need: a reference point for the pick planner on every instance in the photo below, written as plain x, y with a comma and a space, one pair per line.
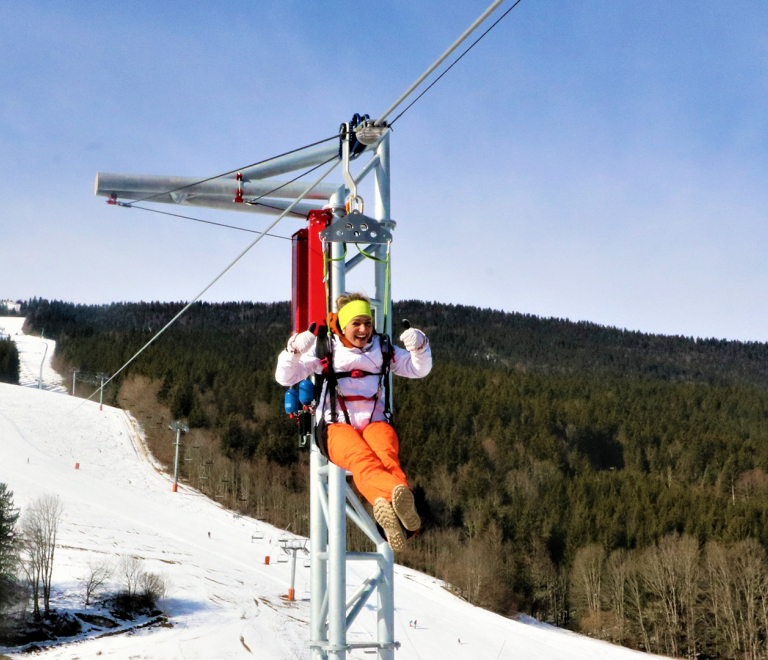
292, 369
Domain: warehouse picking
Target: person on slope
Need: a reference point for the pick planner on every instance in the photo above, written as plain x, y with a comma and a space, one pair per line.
361, 439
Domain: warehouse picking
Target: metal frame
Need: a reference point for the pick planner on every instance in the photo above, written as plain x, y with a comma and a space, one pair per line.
332, 501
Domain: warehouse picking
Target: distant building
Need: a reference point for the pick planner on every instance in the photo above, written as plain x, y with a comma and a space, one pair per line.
10, 305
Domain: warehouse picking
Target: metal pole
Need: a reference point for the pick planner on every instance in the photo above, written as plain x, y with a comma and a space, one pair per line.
291, 591
385, 590
108, 184
176, 460
338, 269
40, 380
337, 562
382, 212
180, 427
337, 500
74, 381
318, 567
318, 522
101, 394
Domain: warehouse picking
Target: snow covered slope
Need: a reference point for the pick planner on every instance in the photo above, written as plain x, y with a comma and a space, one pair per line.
32, 350
225, 602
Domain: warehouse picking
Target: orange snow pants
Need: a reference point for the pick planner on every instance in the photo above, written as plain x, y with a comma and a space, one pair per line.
371, 457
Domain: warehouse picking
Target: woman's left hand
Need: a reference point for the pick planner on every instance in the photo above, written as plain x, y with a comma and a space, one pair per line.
413, 339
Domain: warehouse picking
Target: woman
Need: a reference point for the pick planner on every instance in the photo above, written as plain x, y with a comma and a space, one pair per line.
360, 436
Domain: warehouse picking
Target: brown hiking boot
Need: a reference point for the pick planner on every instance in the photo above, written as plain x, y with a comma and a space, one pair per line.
405, 507
386, 517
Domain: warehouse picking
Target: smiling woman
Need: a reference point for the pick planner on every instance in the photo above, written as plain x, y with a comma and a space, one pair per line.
355, 318
354, 413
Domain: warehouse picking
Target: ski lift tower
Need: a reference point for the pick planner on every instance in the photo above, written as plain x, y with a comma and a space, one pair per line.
335, 219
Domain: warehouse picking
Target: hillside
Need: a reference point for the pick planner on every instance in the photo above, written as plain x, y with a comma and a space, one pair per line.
533, 442
224, 600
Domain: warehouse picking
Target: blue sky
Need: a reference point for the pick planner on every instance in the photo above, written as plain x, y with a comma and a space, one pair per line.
598, 161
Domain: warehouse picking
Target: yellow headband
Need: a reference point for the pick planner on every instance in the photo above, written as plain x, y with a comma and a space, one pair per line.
351, 310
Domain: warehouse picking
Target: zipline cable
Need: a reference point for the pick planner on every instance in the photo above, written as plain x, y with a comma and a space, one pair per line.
216, 279
494, 5
218, 176
455, 62
439, 60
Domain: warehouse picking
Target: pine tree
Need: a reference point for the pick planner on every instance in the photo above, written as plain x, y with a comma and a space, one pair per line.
9, 514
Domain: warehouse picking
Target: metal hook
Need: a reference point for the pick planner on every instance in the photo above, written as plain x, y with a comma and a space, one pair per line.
353, 199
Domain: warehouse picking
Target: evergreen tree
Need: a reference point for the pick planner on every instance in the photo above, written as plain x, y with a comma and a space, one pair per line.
8, 545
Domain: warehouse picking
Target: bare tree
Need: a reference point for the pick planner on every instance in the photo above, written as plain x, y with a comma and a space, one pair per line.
165, 588
151, 586
587, 576
616, 578
39, 530
550, 588
636, 598
738, 586
130, 572
98, 572
670, 572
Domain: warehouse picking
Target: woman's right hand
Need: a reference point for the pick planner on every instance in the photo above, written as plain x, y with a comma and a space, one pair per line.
300, 343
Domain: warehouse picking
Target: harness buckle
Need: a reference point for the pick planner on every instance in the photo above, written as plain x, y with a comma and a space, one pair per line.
357, 373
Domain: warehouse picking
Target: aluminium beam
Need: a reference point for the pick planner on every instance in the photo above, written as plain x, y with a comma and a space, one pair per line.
298, 161
265, 206
147, 185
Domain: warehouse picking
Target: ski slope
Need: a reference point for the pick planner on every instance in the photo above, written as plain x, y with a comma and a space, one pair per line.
225, 602
31, 353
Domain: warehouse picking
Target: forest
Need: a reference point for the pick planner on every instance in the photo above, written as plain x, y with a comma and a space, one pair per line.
610, 481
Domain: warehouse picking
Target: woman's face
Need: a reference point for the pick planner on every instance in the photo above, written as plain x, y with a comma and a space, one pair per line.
359, 330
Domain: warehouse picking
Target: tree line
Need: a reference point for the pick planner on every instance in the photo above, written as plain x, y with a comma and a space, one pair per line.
531, 440
676, 597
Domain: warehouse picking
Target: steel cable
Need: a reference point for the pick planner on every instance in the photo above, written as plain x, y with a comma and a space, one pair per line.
207, 222
455, 62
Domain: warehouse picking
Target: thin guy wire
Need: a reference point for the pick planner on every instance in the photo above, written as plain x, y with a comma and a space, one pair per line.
207, 222
218, 176
216, 279
455, 62
439, 60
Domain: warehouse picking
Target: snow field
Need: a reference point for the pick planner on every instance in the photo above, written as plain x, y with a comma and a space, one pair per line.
31, 352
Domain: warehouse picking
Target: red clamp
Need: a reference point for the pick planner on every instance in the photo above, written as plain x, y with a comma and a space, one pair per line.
112, 199
239, 194
324, 364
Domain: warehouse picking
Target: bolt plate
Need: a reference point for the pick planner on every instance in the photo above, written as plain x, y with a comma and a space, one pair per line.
356, 228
